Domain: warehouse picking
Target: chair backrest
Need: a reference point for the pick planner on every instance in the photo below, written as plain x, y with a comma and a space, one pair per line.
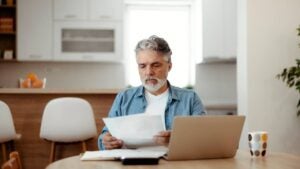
14, 161
68, 119
7, 127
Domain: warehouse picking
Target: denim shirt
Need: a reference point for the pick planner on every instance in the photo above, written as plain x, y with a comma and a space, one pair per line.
181, 102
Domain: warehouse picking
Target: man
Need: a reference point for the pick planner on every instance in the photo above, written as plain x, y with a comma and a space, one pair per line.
155, 96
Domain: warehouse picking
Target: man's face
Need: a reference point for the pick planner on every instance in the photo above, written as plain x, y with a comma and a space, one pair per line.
153, 69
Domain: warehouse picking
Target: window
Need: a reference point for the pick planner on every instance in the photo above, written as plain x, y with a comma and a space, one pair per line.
169, 20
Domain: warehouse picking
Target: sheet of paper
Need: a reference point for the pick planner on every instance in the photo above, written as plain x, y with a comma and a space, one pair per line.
135, 130
119, 153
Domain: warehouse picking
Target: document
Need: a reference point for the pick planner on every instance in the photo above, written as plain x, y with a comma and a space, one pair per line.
115, 154
135, 130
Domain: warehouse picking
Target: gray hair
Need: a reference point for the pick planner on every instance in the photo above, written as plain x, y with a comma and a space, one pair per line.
157, 44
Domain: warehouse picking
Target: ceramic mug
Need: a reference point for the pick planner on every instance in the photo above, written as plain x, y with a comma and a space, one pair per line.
258, 143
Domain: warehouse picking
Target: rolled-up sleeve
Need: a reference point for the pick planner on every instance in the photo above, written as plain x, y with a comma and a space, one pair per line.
114, 112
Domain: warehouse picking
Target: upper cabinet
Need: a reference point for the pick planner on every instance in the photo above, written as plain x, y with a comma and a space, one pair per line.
70, 30
88, 30
34, 30
70, 9
219, 29
88, 10
106, 10
88, 41
8, 34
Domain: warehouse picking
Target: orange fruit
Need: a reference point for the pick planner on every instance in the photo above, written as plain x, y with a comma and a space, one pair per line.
26, 83
32, 76
37, 84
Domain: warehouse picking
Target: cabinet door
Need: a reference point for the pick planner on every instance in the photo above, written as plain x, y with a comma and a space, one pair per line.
219, 28
34, 31
70, 9
106, 9
87, 41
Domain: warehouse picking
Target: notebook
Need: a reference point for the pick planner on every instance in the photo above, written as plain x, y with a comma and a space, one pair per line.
205, 137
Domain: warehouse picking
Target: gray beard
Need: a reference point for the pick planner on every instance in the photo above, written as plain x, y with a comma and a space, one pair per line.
156, 87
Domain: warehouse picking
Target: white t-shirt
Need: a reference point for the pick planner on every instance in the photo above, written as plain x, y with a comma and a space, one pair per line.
157, 104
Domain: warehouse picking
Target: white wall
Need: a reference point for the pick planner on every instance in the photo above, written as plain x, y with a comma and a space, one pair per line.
62, 75
216, 83
268, 42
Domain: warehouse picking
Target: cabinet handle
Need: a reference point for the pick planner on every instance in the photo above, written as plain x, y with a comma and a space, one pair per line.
87, 57
104, 17
70, 16
35, 56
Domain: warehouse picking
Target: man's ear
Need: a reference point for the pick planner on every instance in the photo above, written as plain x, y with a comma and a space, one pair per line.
170, 66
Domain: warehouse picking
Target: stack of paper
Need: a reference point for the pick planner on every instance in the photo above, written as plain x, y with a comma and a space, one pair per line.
154, 152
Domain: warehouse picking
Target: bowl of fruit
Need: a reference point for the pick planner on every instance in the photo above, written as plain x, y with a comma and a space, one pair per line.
32, 81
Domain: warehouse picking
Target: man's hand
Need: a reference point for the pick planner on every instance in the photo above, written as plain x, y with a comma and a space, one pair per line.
111, 142
162, 138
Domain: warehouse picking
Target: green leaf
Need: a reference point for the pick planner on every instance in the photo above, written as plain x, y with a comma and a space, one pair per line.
297, 72
284, 72
291, 76
291, 84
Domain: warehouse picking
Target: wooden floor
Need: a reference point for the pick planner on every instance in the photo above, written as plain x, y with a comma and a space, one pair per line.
27, 110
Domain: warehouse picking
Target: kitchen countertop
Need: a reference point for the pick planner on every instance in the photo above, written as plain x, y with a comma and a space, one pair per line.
219, 106
57, 91
214, 106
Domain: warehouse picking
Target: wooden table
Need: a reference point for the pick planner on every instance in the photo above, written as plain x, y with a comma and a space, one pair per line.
242, 160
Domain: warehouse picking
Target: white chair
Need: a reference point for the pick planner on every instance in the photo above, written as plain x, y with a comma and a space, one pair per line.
67, 120
7, 128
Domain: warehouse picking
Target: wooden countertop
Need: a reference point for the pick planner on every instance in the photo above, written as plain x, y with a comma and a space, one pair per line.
58, 91
216, 106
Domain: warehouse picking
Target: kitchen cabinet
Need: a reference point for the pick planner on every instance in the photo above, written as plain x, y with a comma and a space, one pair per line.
88, 10
219, 29
70, 9
34, 30
67, 30
87, 41
88, 30
8, 31
106, 10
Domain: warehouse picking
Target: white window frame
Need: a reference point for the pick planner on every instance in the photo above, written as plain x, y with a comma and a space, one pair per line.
195, 37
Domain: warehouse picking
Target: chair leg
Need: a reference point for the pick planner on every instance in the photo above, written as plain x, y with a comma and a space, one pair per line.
52, 153
3, 152
84, 146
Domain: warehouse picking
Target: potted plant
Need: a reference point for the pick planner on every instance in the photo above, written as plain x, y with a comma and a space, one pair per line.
291, 76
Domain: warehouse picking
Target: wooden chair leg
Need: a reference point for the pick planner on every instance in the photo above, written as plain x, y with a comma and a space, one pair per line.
52, 153
3, 151
15, 155
84, 146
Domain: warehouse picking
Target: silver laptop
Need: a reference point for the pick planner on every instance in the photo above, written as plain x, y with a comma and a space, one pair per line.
205, 137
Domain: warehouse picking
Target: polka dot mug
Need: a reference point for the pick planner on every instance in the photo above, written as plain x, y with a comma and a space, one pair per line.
258, 143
